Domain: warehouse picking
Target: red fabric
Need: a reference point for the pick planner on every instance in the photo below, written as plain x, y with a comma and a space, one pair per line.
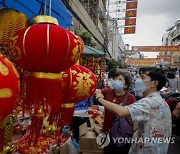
9, 87
131, 13
130, 30
109, 95
45, 48
1, 139
78, 83
131, 5
23, 146
39, 88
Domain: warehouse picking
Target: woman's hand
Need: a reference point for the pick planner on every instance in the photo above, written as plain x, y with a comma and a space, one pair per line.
99, 94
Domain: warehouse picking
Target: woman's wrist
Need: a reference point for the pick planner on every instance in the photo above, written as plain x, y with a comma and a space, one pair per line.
99, 98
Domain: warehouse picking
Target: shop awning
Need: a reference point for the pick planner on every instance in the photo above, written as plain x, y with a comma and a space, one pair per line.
32, 8
90, 51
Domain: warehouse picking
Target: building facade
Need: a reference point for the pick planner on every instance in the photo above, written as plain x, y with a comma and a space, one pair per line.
91, 16
172, 38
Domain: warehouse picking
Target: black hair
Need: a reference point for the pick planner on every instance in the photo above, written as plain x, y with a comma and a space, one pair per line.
111, 73
170, 75
156, 74
142, 70
126, 78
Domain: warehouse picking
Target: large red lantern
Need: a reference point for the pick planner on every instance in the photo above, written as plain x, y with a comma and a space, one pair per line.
9, 87
45, 48
79, 83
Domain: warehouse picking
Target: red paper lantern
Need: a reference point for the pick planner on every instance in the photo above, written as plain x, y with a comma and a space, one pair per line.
79, 83
9, 87
45, 48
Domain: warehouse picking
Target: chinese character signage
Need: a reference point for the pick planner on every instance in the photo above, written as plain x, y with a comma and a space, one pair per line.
129, 30
145, 61
130, 22
131, 5
156, 48
130, 17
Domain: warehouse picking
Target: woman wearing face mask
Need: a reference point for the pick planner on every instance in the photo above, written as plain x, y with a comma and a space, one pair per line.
150, 115
120, 84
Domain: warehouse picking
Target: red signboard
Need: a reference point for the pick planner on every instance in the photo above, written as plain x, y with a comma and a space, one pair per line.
144, 61
131, 13
131, 5
164, 58
156, 48
130, 21
129, 30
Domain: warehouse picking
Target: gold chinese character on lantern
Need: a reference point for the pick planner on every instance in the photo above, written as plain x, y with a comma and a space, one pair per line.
83, 85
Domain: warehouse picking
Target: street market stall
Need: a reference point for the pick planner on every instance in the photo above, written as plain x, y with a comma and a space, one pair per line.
94, 60
50, 82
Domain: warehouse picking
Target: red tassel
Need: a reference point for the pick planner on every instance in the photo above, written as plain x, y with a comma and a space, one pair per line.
66, 115
44, 89
36, 125
1, 139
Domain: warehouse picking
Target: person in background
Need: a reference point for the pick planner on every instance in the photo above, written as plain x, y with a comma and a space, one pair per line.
81, 116
172, 83
111, 74
150, 115
116, 95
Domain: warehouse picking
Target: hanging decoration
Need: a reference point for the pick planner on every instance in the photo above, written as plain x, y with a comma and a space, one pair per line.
79, 83
10, 22
9, 87
9, 90
45, 47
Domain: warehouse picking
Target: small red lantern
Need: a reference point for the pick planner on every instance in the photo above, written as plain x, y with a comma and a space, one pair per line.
45, 48
9, 87
79, 83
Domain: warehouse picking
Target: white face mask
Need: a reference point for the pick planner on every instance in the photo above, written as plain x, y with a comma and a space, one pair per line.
140, 85
117, 85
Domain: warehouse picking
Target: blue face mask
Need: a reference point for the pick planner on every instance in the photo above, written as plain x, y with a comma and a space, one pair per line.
117, 85
140, 85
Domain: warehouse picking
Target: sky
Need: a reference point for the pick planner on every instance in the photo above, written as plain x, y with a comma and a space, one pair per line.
154, 17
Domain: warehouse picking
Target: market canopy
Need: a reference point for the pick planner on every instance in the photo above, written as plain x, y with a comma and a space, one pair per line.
32, 8
90, 51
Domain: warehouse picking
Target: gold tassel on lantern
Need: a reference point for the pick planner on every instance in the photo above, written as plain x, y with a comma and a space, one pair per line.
36, 125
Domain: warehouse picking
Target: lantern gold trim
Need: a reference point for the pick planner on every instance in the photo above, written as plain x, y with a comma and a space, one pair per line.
68, 105
42, 19
46, 75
